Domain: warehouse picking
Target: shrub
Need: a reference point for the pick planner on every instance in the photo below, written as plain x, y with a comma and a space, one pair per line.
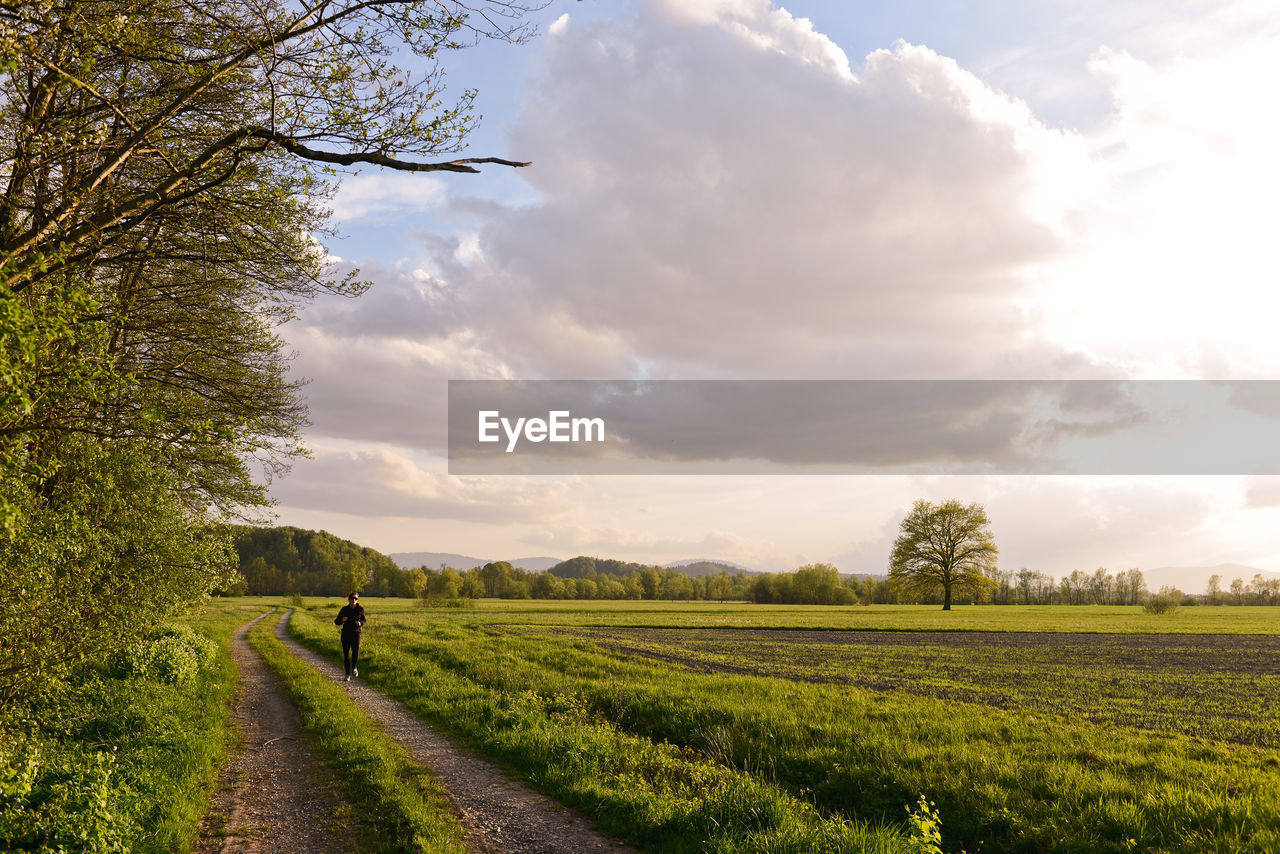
172, 661
174, 654
1162, 603
204, 647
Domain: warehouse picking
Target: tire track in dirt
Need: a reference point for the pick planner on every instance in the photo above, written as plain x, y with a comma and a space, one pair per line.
273, 795
502, 815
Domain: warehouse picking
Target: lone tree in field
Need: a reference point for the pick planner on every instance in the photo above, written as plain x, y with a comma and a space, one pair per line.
944, 545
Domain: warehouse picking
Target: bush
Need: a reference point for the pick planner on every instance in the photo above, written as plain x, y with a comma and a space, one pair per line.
1161, 604
174, 655
204, 647
172, 661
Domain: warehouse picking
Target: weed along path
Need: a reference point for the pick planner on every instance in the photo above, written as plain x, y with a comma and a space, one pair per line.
502, 815
274, 795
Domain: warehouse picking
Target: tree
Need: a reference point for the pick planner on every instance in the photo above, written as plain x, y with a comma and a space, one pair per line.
947, 545
120, 110
164, 168
1131, 586
1213, 593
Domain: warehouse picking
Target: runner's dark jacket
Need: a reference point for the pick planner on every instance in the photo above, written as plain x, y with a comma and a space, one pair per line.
355, 619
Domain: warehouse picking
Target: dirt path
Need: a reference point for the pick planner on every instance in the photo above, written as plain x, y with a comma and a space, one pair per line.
274, 795
502, 816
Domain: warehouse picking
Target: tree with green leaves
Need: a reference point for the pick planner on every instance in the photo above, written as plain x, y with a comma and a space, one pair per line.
164, 173
947, 546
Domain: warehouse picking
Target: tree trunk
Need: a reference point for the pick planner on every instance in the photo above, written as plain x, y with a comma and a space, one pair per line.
946, 597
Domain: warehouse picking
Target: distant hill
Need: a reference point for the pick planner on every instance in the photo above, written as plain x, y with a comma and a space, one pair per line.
1194, 579
432, 560
283, 559
582, 565
534, 564
572, 568
695, 568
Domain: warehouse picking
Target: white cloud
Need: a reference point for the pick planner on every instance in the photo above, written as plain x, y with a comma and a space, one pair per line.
720, 194
379, 481
710, 207
718, 200
1177, 278
382, 195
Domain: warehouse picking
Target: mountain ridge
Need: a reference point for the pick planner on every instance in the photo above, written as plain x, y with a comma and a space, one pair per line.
432, 560
1195, 579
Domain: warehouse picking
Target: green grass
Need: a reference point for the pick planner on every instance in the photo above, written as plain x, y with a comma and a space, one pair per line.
107, 764
1121, 619
404, 809
660, 795
1201, 685
669, 756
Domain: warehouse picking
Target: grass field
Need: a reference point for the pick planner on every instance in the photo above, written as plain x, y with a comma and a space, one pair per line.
1157, 733
1109, 619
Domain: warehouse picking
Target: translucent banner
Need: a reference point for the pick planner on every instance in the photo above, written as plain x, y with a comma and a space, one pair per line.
864, 427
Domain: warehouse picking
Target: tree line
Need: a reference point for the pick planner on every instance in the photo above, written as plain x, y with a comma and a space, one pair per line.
1260, 591
285, 560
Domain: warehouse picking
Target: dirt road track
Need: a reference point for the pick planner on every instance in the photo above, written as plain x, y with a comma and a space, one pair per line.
274, 796
502, 815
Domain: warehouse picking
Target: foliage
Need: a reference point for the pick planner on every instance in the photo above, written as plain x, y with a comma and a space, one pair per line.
175, 654
126, 116
1260, 591
925, 827
403, 802
1100, 587
813, 584
97, 764
281, 560
106, 541
947, 545
1162, 603
163, 174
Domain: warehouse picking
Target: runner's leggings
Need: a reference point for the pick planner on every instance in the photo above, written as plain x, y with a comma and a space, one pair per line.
350, 651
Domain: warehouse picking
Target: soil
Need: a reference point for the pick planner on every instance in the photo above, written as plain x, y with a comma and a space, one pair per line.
273, 795
501, 814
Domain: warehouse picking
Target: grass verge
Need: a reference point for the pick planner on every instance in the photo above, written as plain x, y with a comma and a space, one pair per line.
392, 793
104, 763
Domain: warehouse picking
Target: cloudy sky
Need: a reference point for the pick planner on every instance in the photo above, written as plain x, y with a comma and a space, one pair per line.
735, 189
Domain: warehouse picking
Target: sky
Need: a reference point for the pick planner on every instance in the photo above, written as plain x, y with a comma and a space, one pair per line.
741, 189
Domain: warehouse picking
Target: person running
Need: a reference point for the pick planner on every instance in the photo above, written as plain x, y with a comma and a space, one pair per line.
352, 619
